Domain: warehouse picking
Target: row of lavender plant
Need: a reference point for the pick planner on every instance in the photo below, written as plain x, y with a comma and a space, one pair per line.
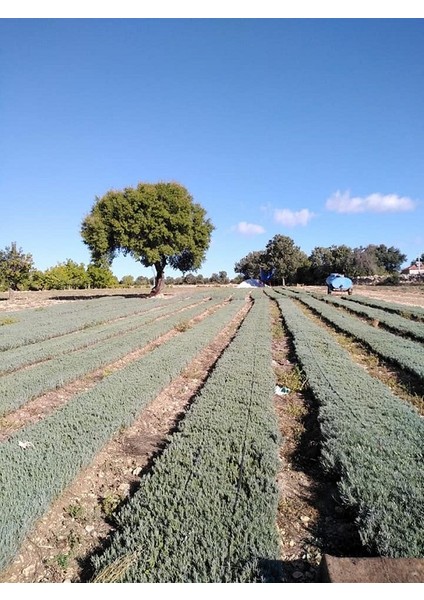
403, 352
207, 511
65, 442
34, 325
393, 322
17, 388
23, 356
372, 441
405, 310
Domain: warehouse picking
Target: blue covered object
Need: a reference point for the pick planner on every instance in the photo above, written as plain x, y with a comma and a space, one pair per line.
338, 283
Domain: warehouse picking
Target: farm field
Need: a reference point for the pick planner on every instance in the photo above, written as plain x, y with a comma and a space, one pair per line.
144, 439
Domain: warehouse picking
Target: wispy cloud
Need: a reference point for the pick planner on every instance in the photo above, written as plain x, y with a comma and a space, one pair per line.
377, 203
248, 228
291, 218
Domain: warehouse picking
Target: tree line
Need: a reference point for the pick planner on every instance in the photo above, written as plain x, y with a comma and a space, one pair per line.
290, 265
17, 272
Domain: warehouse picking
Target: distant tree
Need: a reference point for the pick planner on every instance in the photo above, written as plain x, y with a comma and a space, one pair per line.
200, 279
142, 281
389, 259
127, 281
237, 279
285, 258
36, 281
15, 266
320, 264
189, 279
214, 278
101, 277
157, 224
223, 277
67, 275
342, 259
364, 262
250, 265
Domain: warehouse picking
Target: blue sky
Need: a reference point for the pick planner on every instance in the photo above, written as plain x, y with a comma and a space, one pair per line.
310, 128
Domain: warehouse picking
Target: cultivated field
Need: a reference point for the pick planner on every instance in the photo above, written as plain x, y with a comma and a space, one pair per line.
144, 439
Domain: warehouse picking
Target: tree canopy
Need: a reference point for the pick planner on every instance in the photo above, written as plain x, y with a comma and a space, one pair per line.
285, 258
15, 266
157, 224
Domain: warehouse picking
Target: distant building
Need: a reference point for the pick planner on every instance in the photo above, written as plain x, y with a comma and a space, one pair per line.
414, 269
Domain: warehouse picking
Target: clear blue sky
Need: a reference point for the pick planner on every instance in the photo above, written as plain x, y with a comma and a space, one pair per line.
310, 128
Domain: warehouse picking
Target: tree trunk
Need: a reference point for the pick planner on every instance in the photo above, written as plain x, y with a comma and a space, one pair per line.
159, 279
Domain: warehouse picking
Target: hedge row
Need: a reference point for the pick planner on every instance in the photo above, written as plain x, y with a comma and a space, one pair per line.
372, 441
207, 511
66, 441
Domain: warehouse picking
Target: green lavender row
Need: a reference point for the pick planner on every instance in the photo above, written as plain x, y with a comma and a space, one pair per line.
16, 358
403, 352
408, 311
393, 322
19, 387
49, 323
372, 441
66, 441
207, 511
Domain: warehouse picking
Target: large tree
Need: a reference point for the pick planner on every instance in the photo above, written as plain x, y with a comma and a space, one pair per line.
250, 265
389, 259
157, 224
285, 259
15, 266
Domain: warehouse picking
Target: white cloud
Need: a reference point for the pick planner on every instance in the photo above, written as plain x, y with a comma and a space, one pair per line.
377, 203
292, 218
248, 228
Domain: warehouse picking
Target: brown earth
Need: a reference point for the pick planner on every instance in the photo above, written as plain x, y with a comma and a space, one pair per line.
310, 522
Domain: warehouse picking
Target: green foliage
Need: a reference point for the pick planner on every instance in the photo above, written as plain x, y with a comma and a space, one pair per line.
157, 224
393, 279
76, 511
127, 281
101, 277
285, 258
280, 254
15, 266
251, 264
109, 504
66, 275
359, 262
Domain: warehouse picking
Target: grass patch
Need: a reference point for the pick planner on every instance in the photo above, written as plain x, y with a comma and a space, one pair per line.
8, 321
182, 326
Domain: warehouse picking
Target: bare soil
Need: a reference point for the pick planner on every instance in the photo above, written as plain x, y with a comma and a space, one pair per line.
80, 522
